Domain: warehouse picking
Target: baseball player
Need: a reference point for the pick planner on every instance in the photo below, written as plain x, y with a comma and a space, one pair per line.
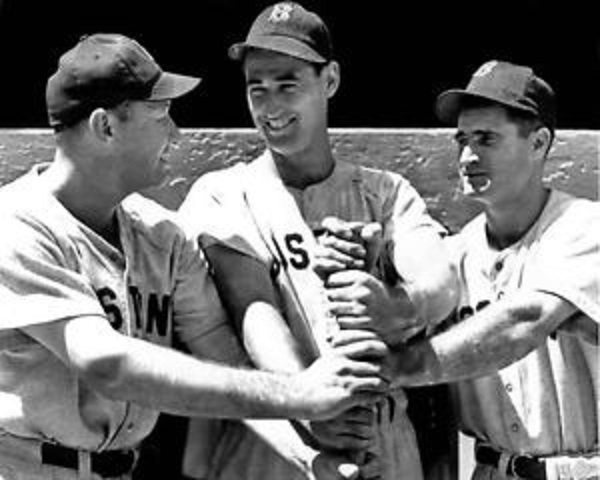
525, 347
96, 282
258, 222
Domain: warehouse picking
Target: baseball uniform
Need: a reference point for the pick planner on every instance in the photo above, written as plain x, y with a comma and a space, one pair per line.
546, 404
231, 207
53, 267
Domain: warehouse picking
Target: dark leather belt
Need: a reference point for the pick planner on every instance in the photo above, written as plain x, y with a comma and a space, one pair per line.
111, 463
517, 466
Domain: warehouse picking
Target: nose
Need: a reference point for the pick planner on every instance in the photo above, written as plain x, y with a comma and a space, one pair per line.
467, 156
269, 105
174, 132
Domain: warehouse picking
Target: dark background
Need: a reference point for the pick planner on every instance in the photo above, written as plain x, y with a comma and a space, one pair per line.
395, 56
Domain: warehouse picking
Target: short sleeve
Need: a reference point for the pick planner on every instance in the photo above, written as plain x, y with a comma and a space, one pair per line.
40, 277
215, 212
200, 320
409, 212
567, 259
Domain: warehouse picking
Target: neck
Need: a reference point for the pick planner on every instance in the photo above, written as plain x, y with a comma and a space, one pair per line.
508, 223
306, 168
84, 196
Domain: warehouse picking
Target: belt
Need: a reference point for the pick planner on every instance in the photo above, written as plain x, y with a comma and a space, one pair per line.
111, 463
520, 466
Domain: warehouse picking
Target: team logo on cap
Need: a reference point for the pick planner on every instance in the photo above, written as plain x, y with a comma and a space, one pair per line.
281, 12
485, 69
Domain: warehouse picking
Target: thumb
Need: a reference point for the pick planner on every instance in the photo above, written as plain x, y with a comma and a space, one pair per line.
372, 235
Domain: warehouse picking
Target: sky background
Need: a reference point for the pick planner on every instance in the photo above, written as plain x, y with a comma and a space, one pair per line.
395, 56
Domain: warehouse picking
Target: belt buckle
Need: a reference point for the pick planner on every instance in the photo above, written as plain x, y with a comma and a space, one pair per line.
515, 468
113, 463
512, 466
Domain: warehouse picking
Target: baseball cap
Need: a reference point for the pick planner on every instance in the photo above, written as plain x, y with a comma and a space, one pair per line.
514, 86
103, 70
288, 28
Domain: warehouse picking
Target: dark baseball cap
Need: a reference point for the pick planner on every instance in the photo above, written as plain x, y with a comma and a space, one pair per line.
288, 28
103, 70
514, 86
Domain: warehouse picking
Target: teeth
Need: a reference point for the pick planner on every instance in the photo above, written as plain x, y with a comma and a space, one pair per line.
278, 124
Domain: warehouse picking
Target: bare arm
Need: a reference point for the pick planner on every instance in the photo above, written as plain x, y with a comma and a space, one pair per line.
129, 369
495, 337
246, 289
248, 293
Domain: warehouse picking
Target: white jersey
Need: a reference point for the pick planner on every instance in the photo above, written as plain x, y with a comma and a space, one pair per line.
219, 209
52, 268
545, 404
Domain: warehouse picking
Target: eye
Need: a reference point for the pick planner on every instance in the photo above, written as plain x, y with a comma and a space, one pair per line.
486, 139
461, 141
289, 87
256, 92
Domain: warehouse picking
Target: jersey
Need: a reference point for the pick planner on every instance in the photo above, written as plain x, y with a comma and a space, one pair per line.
52, 268
545, 404
219, 210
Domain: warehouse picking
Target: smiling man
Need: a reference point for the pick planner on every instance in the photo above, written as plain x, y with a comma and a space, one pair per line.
276, 229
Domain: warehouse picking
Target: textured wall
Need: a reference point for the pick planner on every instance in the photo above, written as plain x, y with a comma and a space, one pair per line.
427, 157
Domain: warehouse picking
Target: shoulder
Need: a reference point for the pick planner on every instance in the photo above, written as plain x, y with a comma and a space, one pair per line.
152, 222
468, 237
213, 199
25, 207
570, 216
219, 182
562, 204
20, 194
383, 186
377, 178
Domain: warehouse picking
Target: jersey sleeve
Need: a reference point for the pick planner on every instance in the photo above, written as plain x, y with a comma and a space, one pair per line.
40, 278
567, 261
406, 222
200, 320
408, 211
216, 213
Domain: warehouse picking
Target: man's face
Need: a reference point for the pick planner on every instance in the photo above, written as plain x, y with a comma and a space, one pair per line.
497, 164
287, 100
146, 137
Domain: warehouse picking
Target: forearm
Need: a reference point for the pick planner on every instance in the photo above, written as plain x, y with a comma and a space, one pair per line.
269, 341
182, 385
497, 336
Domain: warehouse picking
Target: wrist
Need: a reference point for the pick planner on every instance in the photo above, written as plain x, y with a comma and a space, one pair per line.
405, 321
414, 364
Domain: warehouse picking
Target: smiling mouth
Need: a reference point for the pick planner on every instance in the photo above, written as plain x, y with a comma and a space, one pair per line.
277, 125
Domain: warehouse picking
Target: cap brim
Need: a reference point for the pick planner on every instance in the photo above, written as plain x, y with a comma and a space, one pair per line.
449, 104
173, 85
280, 44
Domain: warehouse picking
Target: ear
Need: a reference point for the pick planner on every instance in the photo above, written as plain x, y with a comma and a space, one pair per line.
100, 124
332, 78
541, 141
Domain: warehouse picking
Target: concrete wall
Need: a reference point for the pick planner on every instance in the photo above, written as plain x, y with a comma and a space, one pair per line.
427, 157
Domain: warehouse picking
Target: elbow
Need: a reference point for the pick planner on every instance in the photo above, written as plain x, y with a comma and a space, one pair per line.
105, 374
438, 295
